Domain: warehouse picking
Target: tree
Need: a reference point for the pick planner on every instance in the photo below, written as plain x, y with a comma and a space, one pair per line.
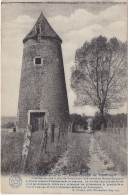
79, 120
99, 75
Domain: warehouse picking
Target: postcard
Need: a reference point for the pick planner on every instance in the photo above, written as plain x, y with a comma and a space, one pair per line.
64, 97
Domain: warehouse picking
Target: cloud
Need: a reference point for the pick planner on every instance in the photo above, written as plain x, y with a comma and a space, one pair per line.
81, 18
117, 29
24, 19
88, 110
78, 19
20, 26
113, 14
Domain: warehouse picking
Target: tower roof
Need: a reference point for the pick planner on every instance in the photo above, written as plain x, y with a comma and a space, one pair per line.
46, 30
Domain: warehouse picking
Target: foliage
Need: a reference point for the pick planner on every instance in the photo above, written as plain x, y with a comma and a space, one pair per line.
120, 120
8, 125
79, 120
97, 121
99, 75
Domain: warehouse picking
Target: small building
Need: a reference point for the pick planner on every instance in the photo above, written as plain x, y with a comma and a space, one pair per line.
42, 94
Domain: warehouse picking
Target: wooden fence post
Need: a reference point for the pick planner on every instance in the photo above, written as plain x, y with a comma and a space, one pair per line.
52, 132
26, 145
59, 133
71, 127
44, 138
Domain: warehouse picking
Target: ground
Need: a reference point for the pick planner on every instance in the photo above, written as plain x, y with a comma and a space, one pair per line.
86, 155
76, 158
99, 152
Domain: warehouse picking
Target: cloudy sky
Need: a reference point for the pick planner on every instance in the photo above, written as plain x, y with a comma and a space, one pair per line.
74, 23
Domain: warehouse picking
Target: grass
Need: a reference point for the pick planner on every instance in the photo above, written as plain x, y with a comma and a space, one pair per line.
38, 161
11, 147
115, 146
78, 156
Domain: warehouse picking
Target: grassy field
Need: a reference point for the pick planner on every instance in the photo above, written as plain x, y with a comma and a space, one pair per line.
11, 147
38, 161
115, 146
78, 155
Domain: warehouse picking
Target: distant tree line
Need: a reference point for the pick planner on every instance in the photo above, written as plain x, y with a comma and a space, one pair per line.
78, 119
8, 125
119, 120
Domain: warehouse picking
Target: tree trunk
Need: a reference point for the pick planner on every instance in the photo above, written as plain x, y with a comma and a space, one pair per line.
102, 120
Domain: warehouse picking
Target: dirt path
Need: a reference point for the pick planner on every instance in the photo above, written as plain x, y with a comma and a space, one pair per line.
99, 160
75, 159
84, 155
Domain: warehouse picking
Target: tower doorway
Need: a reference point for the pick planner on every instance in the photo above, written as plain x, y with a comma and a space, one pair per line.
37, 121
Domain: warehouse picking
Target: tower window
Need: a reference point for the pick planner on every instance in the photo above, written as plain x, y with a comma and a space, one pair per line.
38, 61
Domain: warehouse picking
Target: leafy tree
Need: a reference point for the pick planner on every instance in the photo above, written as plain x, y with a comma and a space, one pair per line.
99, 75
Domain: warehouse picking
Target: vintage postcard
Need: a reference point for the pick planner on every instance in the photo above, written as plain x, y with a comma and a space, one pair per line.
64, 97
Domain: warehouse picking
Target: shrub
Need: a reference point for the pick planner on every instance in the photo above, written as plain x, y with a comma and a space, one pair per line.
77, 119
8, 125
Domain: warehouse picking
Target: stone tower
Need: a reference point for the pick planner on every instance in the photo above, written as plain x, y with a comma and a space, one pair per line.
42, 94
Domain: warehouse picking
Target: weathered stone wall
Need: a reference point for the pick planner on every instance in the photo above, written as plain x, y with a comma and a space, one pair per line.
43, 87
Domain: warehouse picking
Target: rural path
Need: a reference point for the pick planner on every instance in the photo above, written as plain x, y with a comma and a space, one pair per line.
84, 155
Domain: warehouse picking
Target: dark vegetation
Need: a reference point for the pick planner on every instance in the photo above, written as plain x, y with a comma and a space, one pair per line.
8, 122
78, 119
119, 120
8, 125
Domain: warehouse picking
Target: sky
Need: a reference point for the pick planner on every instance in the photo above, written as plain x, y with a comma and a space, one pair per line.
74, 23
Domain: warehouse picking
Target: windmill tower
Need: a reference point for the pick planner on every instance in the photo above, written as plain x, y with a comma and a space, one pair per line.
42, 94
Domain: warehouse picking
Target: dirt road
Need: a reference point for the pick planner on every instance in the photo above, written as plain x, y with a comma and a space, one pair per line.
83, 155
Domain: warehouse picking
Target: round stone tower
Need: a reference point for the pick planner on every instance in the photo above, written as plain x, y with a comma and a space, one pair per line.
42, 94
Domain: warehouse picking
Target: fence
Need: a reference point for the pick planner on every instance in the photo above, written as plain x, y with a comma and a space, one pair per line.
117, 133
26, 145
113, 128
54, 140
114, 143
